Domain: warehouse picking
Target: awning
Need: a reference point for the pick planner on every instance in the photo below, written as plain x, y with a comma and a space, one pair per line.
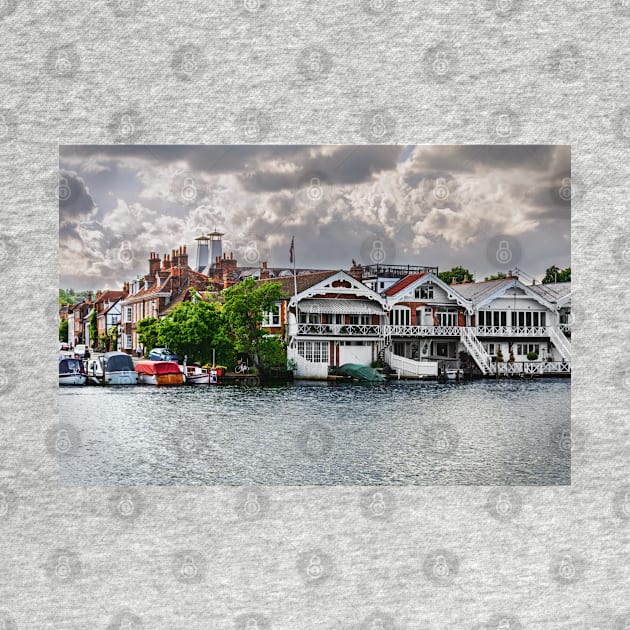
343, 307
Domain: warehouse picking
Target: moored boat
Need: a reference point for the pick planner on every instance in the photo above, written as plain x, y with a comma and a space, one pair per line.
197, 375
71, 371
113, 368
159, 373
454, 374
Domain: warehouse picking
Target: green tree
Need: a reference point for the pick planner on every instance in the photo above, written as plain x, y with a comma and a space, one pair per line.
459, 273
113, 337
149, 330
93, 328
555, 274
243, 310
194, 329
63, 330
498, 276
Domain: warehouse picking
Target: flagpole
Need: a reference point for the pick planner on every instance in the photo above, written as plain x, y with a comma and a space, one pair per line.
297, 320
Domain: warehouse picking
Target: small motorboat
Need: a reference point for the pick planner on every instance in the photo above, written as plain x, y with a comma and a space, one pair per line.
197, 375
112, 368
454, 374
159, 373
71, 371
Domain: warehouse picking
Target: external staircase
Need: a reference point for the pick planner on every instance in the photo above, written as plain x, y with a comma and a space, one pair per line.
476, 350
560, 341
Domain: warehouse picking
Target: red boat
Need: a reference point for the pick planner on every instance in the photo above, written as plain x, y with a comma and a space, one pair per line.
159, 373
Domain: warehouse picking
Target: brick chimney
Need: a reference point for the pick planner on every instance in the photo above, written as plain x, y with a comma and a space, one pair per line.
166, 262
154, 264
183, 256
466, 279
356, 271
264, 272
453, 280
228, 280
125, 289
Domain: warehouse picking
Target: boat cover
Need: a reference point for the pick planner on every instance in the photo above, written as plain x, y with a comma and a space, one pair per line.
117, 362
70, 366
360, 372
157, 367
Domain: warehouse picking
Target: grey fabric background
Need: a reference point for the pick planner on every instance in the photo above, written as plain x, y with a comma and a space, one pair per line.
73, 557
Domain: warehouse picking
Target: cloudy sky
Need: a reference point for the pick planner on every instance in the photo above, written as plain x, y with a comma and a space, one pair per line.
488, 208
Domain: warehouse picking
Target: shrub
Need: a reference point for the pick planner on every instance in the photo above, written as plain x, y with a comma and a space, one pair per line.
532, 356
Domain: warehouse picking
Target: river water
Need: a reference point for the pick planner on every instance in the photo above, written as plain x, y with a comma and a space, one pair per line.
486, 432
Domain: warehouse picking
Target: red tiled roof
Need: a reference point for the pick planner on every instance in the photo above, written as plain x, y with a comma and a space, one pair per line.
397, 287
110, 296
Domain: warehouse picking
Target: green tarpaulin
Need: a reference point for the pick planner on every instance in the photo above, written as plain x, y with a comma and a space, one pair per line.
361, 372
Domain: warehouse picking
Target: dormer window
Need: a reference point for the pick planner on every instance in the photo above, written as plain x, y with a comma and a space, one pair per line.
424, 293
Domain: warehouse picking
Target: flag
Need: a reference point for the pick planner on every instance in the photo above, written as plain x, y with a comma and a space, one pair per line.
292, 250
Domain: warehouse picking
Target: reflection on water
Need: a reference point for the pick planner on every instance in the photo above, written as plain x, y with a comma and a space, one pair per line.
482, 432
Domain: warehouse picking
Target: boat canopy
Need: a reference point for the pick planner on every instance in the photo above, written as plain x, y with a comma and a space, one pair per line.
343, 307
70, 366
360, 372
117, 362
157, 367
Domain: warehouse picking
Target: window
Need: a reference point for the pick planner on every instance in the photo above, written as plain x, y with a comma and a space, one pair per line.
447, 317
401, 316
526, 348
272, 318
528, 318
314, 351
490, 349
310, 318
424, 293
128, 315
128, 342
358, 320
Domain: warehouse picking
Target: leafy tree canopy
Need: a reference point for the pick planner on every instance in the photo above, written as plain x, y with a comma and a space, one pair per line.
459, 273
555, 274
498, 276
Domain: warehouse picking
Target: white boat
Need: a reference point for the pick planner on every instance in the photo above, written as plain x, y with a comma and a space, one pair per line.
197, 375
113, 368
71, 371
454, 374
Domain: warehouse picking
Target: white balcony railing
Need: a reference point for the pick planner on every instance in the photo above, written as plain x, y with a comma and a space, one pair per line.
362, 330
388, 330
534, 367
512, 331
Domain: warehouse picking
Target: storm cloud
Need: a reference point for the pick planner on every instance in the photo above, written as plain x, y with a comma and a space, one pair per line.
432, 205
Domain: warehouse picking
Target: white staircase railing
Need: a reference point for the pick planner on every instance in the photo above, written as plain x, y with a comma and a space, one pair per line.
559, 340
410, 367
476, 350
